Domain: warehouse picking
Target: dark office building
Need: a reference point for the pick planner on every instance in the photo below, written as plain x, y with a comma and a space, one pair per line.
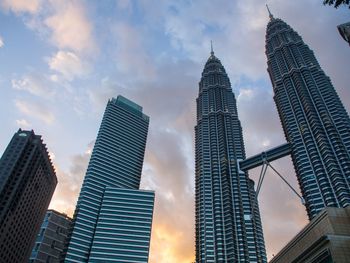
314, 119
228, 226
113, 218
27, 183
51, 238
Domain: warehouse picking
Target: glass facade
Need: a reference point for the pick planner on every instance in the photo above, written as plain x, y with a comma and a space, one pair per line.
116, 162
124, 226
313, 118
228, 226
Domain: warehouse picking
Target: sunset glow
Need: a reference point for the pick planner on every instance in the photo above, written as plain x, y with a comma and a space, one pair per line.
63, 60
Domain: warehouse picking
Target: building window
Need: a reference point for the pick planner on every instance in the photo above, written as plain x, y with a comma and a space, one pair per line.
37, 245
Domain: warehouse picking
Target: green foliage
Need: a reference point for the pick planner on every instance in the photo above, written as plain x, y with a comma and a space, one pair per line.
337, 3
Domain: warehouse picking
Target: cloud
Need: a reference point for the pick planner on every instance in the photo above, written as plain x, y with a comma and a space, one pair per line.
259, 118
1, 42
21, 6
70, 26
191, 25
34, 83
68, 64
125, 5
156, 60
35, 110
69, 182
22, 123
131, 56
172, 92
108, 89
170, 176
65, 23
166, 244
245, 94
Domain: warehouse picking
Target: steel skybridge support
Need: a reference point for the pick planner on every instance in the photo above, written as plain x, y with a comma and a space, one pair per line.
264, 159
267, 156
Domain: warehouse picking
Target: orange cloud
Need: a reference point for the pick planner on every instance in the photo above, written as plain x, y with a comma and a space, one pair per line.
69, 183
66, 193
169, 245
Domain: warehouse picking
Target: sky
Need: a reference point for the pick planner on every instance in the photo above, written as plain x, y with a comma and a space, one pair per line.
62, 60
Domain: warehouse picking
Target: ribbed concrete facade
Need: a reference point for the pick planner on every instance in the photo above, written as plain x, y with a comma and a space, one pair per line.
226, 228
314, 119
116, 162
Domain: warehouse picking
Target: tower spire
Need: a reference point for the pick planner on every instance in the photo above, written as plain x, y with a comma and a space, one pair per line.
268, 9
211, 48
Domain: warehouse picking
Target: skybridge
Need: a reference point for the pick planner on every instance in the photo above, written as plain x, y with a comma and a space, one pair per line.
267, 156
263, 159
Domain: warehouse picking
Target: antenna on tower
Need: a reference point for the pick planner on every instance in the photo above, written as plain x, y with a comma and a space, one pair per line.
268, 9
211, 48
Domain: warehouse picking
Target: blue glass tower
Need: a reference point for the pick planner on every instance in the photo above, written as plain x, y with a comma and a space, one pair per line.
113, 219
314, 119
124, 226
228, 226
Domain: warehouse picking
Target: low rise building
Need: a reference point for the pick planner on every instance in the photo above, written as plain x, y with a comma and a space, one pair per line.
51, 238
325, 239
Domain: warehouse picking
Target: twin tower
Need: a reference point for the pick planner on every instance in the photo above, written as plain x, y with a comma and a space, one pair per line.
317, 129
113, 218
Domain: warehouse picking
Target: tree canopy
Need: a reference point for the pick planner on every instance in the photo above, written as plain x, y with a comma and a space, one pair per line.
337, 3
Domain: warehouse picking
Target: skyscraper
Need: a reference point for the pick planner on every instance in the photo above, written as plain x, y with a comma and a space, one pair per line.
27, 183
113, 219
51, 238
227, 229
314, 119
